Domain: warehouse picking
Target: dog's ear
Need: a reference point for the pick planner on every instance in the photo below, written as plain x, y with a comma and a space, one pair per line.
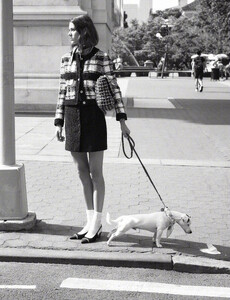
169, 230
186, 219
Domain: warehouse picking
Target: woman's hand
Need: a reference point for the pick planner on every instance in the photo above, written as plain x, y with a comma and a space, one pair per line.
125, 130
59, 135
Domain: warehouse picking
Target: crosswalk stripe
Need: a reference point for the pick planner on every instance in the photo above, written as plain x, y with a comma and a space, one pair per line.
145, 287
22, 287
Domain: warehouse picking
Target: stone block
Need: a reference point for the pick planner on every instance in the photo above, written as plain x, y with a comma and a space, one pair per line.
36, 96
13, 197
20, 36
45, 35
45, 2
45, 59
65, 41
86, 4
99, 4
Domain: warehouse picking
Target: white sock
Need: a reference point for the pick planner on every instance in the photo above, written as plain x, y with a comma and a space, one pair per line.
95, 224
89, 215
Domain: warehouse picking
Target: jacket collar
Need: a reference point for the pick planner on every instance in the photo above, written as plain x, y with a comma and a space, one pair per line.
85, 57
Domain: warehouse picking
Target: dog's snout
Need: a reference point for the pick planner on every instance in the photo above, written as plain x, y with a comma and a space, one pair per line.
190, 231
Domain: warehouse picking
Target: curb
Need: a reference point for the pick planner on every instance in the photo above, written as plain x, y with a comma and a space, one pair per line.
107, 259
200, 265
178, 263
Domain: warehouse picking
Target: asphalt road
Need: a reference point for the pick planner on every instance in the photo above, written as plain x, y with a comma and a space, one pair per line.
46, 281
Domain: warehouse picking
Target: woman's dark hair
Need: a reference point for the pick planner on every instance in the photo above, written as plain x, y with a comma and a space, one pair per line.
87, 31
198, 52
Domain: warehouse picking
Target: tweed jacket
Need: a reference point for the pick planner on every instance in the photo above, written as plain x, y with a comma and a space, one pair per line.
76, 84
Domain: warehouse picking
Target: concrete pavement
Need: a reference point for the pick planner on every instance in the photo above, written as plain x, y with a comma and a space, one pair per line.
183, 138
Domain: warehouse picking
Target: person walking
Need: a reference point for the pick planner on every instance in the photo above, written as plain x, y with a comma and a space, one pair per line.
198, 68
85, 124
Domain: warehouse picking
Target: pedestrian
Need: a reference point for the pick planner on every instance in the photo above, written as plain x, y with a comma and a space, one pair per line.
227, 70
85, 124
118, 63
221, 69
198, 67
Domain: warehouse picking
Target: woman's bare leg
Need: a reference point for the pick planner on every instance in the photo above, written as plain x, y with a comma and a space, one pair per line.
96, 170
82, 163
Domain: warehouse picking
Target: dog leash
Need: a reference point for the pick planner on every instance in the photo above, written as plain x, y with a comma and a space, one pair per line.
132, 149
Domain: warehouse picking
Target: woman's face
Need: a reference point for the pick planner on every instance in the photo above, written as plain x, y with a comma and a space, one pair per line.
73, 34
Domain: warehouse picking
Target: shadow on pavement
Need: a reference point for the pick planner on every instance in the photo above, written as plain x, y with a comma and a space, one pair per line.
170, 246
54, 229
138, 243
205, 111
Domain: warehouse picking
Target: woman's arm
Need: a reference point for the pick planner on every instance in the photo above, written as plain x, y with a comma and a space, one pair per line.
60, 109
119, 104
124, 128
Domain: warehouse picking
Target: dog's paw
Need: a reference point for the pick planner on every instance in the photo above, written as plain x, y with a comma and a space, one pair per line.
159, 246
108, 244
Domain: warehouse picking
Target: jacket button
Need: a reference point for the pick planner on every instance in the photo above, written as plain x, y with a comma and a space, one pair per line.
84, 102
81, 91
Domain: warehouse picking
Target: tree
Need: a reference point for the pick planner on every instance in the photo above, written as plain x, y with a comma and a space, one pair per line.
214, 19
130, 38
207, 30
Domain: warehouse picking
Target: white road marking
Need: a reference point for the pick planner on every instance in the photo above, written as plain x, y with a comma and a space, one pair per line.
22, 287
145, 287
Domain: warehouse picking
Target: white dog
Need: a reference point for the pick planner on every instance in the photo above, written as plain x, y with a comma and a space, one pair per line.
155, 222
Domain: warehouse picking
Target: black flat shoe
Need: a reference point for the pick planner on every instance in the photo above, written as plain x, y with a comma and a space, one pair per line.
87, 240
78, 236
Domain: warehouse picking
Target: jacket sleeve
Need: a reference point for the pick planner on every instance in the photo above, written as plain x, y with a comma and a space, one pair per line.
60, 108
119, 106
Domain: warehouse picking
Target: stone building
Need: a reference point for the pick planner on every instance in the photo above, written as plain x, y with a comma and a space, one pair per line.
41, 38
139, 10
189, 10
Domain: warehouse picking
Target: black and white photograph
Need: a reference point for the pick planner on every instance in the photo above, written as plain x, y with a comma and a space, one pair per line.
114, 149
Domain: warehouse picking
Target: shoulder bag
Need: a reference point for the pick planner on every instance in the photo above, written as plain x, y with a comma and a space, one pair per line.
104, 93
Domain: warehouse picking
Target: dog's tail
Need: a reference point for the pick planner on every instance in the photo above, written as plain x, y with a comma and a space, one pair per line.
108, 219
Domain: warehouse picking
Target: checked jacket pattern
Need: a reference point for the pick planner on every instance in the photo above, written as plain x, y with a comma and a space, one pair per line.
97, 63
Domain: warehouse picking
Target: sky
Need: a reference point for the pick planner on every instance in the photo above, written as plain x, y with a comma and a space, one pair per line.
158, 4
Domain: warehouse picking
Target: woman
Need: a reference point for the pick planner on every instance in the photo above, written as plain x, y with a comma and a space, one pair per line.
85, 126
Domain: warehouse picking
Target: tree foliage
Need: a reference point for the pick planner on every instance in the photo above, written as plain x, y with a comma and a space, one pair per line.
207, 30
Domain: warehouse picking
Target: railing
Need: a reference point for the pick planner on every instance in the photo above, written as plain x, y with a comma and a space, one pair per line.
146, 71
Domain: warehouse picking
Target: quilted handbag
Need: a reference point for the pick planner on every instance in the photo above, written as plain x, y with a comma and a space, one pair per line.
104, 93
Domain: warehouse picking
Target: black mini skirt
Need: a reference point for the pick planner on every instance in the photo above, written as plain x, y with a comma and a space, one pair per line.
85, 128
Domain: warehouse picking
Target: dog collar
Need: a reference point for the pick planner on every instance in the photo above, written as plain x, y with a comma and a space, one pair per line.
169, 216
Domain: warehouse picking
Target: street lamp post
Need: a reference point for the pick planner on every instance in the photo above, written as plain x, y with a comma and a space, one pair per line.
164, 32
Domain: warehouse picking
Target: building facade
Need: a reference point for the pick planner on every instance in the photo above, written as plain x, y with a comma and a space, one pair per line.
139, 10
41, 38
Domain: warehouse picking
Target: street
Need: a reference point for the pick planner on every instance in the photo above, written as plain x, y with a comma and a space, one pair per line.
48, 281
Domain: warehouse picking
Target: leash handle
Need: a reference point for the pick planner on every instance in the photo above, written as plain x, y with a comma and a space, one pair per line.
132, 149
131, 145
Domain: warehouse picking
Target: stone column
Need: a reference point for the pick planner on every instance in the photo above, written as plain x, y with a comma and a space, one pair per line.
13, 199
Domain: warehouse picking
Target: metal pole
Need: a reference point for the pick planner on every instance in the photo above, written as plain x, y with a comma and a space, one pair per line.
7, 126
163, 66
13, 197
165, 56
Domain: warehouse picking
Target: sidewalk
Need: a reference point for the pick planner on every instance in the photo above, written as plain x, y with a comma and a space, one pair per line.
186, 150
